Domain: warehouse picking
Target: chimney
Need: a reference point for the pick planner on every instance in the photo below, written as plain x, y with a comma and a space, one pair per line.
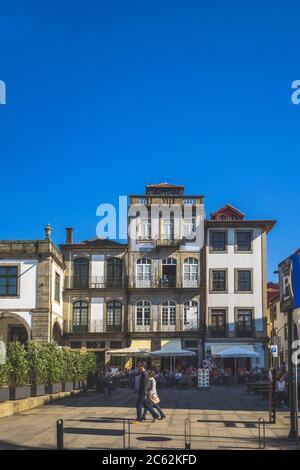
69, 237
48, 230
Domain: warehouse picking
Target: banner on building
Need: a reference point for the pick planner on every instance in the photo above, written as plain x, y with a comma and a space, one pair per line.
289, 280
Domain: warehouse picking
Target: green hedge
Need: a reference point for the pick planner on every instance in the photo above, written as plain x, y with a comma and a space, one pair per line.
47, 363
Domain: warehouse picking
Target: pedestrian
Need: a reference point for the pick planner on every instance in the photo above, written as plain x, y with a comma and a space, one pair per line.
142, 400
281, 390
153, 397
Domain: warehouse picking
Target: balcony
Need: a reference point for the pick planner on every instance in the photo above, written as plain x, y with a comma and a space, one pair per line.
164, 282
94, 326
244, 332
94, 282
159, 327
162, 242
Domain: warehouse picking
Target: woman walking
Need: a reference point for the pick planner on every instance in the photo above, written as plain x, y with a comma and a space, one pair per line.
153, 397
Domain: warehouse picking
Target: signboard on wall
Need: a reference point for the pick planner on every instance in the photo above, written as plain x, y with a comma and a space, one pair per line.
289, 281
203, 378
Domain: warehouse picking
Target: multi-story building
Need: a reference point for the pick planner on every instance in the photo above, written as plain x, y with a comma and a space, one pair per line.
31, 283
236, 286
95, 295
165, 271
180, 282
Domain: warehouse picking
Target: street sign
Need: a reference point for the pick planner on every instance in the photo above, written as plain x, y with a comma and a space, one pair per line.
289, 280
274, 350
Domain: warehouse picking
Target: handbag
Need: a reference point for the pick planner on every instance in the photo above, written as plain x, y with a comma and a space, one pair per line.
154, 398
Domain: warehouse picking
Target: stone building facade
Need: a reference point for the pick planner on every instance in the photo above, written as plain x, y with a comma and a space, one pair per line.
31, 285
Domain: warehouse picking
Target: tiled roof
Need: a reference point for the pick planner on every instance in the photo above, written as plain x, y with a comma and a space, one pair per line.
99, 242
164, 185
227, 206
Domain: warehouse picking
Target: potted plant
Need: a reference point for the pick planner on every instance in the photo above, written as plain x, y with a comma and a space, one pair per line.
67, 382
4, 390
37, 360
53, 368
75, 366
17, 370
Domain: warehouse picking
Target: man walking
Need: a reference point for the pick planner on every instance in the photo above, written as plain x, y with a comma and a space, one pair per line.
142, 401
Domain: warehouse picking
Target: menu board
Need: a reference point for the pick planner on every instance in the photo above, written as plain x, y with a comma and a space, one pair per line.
203, 378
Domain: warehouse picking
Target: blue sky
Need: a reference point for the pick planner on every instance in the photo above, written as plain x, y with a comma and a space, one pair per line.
106, 97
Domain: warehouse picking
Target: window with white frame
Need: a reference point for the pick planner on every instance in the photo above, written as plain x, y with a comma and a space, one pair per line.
143, 313
190, 272
143, 272
190, 316
168, 313
144, 229
168, 228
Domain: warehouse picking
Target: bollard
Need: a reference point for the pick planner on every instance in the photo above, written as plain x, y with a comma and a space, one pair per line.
124, 435
261, 436
59, 434
187, 434
129, 430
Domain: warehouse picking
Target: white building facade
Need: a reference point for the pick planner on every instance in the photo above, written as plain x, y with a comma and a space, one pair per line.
236, 306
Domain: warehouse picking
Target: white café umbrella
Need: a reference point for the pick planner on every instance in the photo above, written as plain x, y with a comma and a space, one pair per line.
172, 348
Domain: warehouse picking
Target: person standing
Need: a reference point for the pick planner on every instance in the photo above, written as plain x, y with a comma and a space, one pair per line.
142, 401
153, 397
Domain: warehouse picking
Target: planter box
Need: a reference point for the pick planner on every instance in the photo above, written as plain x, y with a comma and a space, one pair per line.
19, 393
4, 394
38, 390
76, 384
53, 388
67, 386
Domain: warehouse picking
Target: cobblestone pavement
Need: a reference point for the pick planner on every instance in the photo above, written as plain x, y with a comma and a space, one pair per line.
221, 418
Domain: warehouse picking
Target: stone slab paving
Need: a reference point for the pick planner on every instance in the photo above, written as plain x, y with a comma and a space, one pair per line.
221, 418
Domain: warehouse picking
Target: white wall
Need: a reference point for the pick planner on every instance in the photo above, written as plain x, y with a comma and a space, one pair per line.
97, 314
231, 261
27, 285
97, 269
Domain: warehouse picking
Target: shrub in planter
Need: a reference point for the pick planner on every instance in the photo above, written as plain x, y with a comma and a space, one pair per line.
37, 361
17, 371
53, 368
4, 390
66, 370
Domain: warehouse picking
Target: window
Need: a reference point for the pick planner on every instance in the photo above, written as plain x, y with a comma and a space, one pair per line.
168, 314
115, 344
243, 280
57, 288
114, 272
144, 230
143, 313
168, 272
113, 316
218, 240
190, 272
80, 316
75, 344
81, 273
191, 344
189, 228
243, 240
95, 344
218, 323
8, 281
190, 314
143, 272
244, 322
218, 280
168, 228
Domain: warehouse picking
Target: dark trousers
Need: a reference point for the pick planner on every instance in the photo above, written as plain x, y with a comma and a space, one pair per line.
142, 403
155, 407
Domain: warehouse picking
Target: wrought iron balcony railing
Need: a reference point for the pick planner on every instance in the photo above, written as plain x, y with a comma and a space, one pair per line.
94, 282
163, 282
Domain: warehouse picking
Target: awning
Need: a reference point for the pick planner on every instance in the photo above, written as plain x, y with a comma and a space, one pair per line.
138, 347
172, 347
233, 350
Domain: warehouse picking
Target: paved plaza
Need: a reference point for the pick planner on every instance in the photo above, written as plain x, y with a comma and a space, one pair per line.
221, 418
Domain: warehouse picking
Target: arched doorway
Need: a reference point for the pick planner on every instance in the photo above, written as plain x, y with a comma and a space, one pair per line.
56, 333
14, 328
